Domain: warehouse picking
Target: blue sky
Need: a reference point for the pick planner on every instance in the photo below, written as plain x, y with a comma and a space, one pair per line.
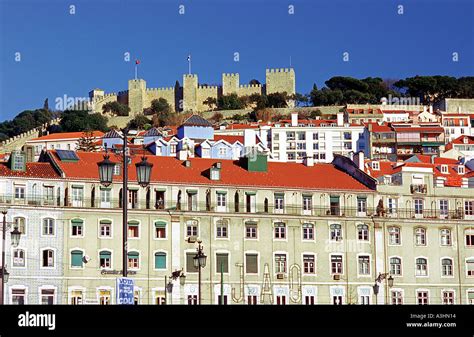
64, 54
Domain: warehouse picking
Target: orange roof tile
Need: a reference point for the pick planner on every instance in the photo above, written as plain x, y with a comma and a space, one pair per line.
33, 170
66, 135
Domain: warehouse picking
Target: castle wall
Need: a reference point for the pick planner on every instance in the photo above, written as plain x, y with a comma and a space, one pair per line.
203, 93
249, 89
99, 101
137, 96
190, 96
230, 84
157, 93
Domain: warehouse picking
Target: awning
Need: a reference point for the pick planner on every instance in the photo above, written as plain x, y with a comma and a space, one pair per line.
160, 224
191, 191
250, 193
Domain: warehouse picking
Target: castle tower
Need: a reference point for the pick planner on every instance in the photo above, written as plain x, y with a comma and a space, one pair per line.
190, 87
281, 80
137, 97
230, 84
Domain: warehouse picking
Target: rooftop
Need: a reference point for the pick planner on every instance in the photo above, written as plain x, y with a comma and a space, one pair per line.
65, 135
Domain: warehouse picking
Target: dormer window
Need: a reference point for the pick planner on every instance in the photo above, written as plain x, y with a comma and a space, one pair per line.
465, 140
375, 166
117, 170
461, 169
215, 173
444, 169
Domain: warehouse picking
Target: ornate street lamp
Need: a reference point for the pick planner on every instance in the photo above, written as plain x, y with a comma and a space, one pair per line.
390, 281
106, 170
199, 261
182, 279
376, 289
6, 276
16, 234
143, 172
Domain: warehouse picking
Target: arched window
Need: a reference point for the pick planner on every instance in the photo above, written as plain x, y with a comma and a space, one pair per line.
105, 259
421, 267
447, 267
48, 226
395, 266
236, 202
394, 235
160, 260
363, 232
469, 235
445, 237
336, 232
47, 258
420, 236
19, 257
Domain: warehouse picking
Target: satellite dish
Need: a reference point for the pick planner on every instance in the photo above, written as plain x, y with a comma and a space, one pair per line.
86, 258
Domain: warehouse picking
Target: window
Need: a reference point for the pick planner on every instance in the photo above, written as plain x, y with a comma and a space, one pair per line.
290, 135
445, 237
19, 258
309, 300
105, 228
105, 196
105, 259
469, 234
447, 267
443, 207
251, 263
190, 263
363, 232
336, 264
361, 204
19, 192
48, 226
395, 266
20, 223
104, 297
280, 230
448, 297
192, 300
418, 206
469, 208
77, 196
160, 260
422, 297
420, 236
160, 300
280, 263
222, 151
444, 169
250, 230
364, 299
222, 299
397, 297
308, 264
279, 202
421, 267
173, 148
375, 166
160, 229
47, 258
222, 261
192, 228
394, 235
364, 265
133, 260
18, 296
308, 231
48, 193
280, 299
76, 227
47, 296
76, 259
76, 297
334, 205
307, 202
221, 200
133, 229
336, 232
470, 267
222, 227
117, 169
315, 136
392, 206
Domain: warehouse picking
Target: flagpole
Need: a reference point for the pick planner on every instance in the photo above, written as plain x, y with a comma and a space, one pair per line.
136, 70
189, 64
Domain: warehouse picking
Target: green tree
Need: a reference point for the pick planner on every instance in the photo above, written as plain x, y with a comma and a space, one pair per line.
160, 105
139, 122
74, 121
217, 117
277, 100
116, 108
229, 102
211, 102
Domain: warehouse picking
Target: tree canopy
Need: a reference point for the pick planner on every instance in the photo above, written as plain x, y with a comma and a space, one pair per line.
116, 108
23, 122
81, 120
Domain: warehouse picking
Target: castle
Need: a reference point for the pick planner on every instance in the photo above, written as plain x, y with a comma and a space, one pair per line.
191, 96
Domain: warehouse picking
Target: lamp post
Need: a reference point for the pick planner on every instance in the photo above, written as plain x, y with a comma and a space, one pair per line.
106, 170
177, 274
199, 262
15, 240
379, 279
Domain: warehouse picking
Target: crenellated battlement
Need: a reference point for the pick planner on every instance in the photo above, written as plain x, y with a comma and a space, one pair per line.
280, 70
160, 89
190, 75
230, 74
210, 87
245, 86
123, 92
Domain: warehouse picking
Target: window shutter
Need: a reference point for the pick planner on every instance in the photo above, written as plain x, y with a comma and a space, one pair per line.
222, 259
160, 260
76, 258
251, 263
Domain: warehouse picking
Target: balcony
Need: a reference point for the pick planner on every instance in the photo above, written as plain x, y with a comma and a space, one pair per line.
418, 188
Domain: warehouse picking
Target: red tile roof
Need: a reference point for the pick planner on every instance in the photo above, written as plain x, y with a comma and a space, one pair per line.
230, 139
66, 135
171, 170
376, 127
33, 170
460, 140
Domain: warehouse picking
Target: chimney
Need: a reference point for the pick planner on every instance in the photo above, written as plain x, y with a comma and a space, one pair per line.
183, 154
249, 138
309, 161
359, 160
294, 119
340, 119
424, 108
431, 109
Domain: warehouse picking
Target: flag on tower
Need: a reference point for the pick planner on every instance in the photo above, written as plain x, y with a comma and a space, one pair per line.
137, 61
189, 57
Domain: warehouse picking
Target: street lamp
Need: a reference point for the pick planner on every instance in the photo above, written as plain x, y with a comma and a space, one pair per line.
199, 262
106, 170
15, 240
177, 274
379, 279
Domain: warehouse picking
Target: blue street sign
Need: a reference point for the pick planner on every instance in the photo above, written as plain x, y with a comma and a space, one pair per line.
124, 290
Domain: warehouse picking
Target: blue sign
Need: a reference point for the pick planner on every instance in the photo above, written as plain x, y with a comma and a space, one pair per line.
125, 290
